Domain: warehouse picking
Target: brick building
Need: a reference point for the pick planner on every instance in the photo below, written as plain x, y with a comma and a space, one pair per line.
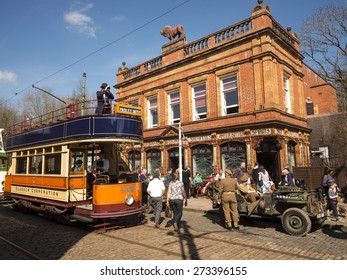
239, 95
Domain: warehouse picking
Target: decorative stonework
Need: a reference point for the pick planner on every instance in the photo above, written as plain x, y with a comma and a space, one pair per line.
260, 7
172, 32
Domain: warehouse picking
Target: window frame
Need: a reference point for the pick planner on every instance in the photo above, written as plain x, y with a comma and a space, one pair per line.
224, 92
152, 109
287, 93
172, 119
196, 114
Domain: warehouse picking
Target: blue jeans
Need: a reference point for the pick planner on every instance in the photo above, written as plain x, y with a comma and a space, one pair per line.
333, 206
177, 208
157, 205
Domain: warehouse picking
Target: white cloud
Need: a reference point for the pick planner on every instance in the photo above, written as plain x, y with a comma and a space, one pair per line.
117, 18
8, 77
87, 7
81, 22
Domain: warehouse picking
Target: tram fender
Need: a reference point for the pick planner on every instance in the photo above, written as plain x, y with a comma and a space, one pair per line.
81, 218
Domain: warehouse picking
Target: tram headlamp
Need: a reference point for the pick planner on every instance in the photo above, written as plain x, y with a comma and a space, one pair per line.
129, 200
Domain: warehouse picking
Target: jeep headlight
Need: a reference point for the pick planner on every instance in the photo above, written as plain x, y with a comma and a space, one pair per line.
129, 200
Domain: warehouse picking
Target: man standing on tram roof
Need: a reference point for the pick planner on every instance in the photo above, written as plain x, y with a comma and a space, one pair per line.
104, 96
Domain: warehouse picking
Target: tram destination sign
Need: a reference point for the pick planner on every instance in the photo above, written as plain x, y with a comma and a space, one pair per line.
127, 109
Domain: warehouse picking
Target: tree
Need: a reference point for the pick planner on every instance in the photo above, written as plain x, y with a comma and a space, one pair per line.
9, 117
39, 105
323, 41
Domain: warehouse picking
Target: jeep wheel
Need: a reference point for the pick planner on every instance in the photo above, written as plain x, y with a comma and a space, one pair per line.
296, 222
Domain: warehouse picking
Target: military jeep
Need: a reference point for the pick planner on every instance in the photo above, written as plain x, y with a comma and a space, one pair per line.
297, 206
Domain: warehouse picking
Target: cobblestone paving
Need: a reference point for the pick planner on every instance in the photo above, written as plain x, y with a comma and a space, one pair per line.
201, 237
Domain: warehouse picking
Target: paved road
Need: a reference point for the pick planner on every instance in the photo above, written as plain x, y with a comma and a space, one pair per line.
201, 237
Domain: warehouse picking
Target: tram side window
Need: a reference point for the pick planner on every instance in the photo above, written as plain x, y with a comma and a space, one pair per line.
53, 164
21, 165
35, 165
77, 158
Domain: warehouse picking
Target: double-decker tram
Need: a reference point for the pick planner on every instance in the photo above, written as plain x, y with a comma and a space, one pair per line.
3, 165
68, 165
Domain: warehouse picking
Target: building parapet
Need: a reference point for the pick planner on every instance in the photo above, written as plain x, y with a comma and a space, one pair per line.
227, 34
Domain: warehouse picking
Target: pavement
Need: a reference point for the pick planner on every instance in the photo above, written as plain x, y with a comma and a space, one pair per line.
202, 205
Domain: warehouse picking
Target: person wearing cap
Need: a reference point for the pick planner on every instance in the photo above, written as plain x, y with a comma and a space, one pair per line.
104, 96
155, 191
246, 189
77, 166
227, 196
328, 176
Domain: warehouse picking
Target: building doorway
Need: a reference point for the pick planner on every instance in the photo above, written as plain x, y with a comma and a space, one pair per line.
268, 156
174, 160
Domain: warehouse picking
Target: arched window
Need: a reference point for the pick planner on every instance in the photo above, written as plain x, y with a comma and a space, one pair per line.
134, 160
202, 160
153, 160
232, 154
291, 154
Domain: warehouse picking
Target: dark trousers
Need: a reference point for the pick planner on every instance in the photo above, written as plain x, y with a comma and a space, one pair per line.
187, 188
157, 205
177, 208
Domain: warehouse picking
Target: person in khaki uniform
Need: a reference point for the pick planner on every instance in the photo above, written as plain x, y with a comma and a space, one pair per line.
227, 195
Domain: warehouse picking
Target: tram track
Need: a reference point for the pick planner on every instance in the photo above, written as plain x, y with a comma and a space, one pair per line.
19, 249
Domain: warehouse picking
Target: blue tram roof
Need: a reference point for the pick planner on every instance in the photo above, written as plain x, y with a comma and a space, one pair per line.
78, 128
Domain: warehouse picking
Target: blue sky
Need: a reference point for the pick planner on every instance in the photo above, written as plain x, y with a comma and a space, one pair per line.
50, 43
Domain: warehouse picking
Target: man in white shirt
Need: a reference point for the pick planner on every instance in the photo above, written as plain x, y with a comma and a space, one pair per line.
101, 165
156, 190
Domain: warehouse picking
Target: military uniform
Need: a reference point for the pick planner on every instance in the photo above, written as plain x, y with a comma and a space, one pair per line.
227, 194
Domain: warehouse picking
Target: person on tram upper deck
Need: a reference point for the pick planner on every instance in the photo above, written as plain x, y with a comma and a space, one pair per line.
104, 96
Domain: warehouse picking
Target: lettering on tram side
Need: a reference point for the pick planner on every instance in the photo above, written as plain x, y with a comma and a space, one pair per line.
127, 189
39, 192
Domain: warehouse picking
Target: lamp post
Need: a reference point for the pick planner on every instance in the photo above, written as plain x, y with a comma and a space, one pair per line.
180, 150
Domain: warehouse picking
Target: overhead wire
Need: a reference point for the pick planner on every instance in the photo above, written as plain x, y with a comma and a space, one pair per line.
98, 50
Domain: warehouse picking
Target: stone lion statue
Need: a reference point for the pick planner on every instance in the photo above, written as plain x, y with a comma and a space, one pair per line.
171, 32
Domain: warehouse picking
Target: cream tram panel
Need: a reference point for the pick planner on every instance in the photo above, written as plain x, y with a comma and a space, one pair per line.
75, 195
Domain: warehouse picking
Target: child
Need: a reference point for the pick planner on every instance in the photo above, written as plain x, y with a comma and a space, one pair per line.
332, 199
198, 184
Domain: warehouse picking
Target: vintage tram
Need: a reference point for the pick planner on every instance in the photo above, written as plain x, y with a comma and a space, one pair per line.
53, 163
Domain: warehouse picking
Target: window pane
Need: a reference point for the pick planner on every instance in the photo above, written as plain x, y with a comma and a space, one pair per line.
153, 102
174, 97
153, 112
154, 115
231, 99
176, 111
53, 164
200, 101
229, 83
21, 165
35, 163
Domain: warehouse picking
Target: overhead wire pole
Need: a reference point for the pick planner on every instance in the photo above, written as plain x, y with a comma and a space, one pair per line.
84, 91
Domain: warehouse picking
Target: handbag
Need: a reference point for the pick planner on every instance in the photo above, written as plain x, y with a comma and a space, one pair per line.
168, 212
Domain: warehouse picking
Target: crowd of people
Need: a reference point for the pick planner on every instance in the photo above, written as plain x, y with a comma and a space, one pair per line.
251, 185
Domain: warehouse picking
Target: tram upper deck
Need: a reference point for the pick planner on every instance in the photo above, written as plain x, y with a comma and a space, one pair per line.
77, 121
